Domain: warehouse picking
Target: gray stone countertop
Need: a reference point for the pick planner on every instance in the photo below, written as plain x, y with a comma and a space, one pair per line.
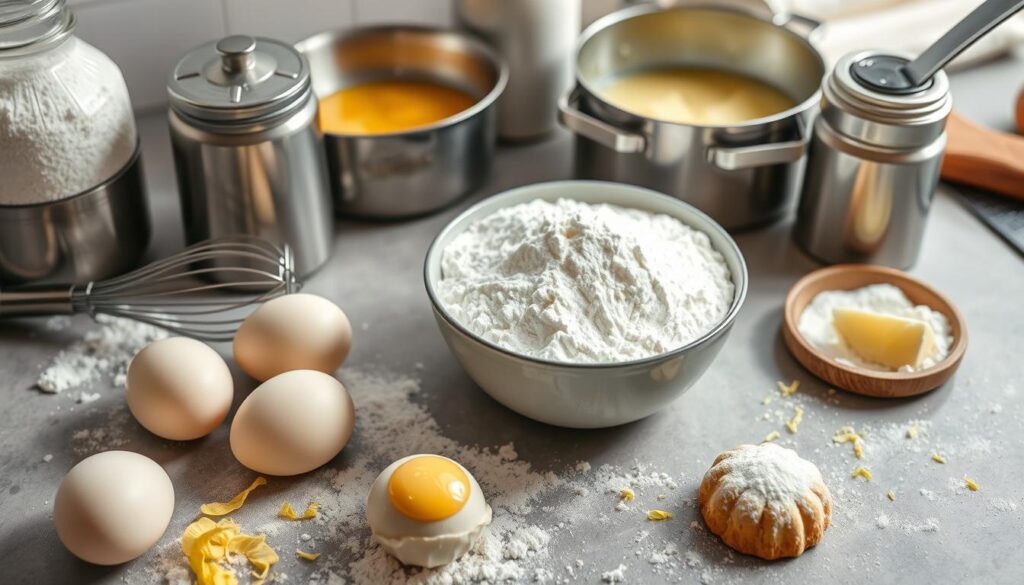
934, 532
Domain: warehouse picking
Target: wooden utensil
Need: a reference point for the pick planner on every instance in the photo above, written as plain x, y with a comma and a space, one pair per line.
859, 380
984, 158
1019, 113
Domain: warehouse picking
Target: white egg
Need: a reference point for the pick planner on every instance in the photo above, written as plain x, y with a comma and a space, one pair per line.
113, 506
179, 388
293, 332
292, 423
416, 521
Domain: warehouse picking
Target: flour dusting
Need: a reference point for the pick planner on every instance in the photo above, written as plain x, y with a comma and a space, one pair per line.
103, 351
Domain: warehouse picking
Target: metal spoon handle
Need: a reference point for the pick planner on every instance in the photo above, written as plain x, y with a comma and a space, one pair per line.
975, 25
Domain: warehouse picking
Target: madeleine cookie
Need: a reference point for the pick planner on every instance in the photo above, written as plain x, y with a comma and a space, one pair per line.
764, 500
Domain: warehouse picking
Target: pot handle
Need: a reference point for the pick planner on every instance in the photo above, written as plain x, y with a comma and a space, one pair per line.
732, 158
805, 26
599, 131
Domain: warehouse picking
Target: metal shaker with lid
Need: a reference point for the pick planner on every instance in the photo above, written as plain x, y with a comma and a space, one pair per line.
877, 148
247, 149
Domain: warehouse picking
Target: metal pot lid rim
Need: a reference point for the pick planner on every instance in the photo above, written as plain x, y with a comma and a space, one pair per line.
238, 78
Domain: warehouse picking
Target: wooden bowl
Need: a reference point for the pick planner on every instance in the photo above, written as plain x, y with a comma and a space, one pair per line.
859, 380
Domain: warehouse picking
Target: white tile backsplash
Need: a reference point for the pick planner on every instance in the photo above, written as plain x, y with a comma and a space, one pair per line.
433, 12
146, 38
289, 21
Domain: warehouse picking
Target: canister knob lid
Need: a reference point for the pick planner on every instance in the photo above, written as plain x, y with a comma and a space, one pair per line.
886, 74
238, 79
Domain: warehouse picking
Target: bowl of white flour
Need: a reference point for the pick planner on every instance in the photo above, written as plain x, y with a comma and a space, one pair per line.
583, 303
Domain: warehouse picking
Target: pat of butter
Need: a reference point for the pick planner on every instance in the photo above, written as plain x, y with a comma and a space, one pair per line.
885, 339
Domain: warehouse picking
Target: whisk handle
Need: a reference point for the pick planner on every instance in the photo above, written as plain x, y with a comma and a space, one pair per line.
37, 300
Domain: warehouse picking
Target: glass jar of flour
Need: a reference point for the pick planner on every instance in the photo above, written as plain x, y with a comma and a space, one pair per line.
71, 194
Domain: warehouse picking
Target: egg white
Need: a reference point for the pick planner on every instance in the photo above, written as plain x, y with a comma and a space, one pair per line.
426, 544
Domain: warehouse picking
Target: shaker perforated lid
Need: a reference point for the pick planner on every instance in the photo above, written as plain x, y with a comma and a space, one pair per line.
239, 79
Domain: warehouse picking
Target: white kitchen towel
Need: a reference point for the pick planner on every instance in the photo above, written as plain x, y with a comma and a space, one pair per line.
898, 25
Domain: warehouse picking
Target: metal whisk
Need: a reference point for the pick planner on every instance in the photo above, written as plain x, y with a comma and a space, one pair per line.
205, 291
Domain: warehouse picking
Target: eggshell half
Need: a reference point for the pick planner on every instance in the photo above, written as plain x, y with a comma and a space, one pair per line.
179, 388
292, 423
293, 332
113, 506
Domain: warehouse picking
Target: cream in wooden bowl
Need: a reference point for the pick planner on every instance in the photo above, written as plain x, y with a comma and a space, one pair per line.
873, 330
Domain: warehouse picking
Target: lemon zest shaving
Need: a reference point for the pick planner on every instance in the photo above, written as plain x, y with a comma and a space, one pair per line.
793, 423
627, 495
913, 431
309, 556
658, 515
222, 508
207, 544
848, 435
862, 472
766, 400
938, 458
771, 437
288, 512
891, 495
971, 484
789, 390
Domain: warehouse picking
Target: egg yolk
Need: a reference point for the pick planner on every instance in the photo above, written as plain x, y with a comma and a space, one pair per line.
428, 488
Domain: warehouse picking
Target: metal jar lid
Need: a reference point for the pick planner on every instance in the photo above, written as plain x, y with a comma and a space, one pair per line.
903, 120
239, 79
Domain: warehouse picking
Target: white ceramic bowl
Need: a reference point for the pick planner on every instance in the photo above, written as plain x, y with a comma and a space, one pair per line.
585, 395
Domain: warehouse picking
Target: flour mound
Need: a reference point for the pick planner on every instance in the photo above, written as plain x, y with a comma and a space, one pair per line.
575, 282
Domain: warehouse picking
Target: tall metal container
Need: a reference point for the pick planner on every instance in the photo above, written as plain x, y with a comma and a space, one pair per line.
873, 166
247, 149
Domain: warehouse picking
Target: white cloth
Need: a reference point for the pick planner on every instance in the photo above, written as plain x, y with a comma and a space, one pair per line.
898, 25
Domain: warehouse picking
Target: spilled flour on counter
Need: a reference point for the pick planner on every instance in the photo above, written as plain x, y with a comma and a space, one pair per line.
392, 426
103, 351
575, 282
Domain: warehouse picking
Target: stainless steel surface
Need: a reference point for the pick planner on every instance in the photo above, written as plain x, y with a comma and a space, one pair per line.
741, 175
248, 151
195, 292
537, 39
872, 169
95, 234
376, 276
584, 395
409, 173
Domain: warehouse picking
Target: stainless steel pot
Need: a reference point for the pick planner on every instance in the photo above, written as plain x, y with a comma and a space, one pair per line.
741, 175
409, 173
89, 236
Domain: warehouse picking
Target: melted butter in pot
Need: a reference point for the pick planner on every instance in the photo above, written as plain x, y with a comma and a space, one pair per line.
380, 107
695, 96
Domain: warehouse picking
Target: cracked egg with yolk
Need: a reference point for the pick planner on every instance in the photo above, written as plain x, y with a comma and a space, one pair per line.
426, 510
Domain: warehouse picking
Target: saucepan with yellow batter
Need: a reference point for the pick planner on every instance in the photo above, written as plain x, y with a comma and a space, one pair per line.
711, 105
407, 115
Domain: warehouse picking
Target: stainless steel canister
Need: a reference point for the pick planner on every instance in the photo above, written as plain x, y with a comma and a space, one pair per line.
247, 150
872, 169
742, 174
537, 39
